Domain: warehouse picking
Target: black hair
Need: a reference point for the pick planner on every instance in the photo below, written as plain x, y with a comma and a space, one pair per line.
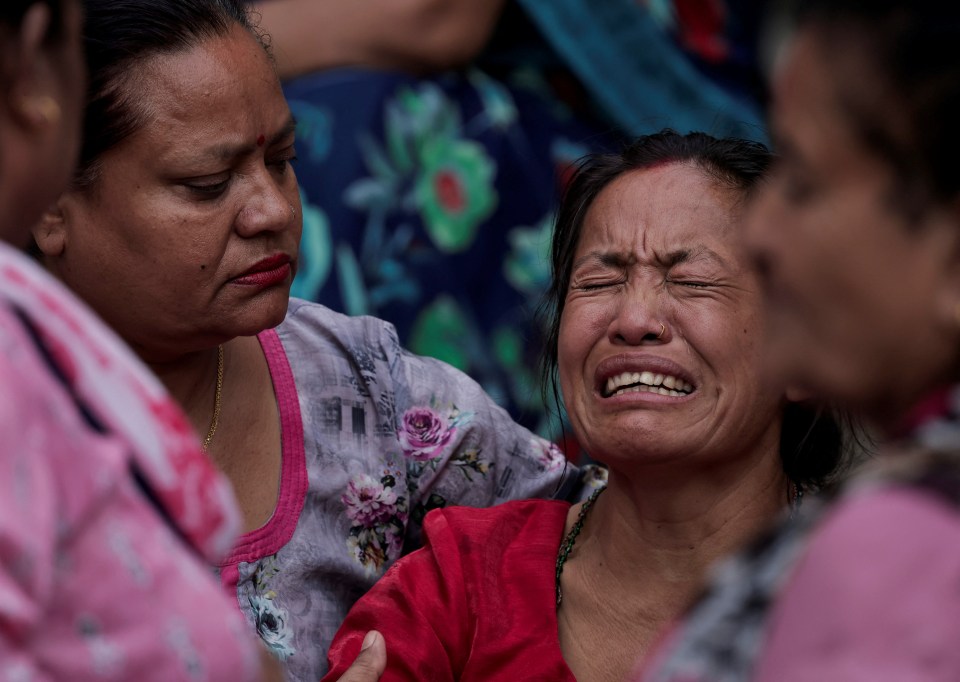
812, 443
906, 108
118, 36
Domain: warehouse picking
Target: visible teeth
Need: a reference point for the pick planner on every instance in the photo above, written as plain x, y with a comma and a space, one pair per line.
633, 382
641, 388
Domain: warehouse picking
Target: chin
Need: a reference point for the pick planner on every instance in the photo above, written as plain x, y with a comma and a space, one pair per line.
265, 313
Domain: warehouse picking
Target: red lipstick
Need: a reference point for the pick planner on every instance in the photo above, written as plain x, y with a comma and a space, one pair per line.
266, 273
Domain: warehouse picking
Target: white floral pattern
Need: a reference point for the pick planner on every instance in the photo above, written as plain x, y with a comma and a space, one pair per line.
272, 626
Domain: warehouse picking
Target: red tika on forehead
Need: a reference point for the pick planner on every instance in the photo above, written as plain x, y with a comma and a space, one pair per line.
261, 140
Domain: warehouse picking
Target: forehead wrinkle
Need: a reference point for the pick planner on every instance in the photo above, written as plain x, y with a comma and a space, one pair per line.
184, 140
663, 224
173, 130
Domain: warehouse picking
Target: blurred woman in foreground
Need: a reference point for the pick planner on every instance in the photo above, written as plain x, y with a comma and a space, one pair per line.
858, 241
107, 505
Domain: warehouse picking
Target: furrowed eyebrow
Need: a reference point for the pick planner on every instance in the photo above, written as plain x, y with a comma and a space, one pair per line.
667, 260
608, 259
696, 253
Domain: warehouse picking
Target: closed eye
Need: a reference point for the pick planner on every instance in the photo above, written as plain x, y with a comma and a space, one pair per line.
695, 284
595, 285
207, 190
282, 160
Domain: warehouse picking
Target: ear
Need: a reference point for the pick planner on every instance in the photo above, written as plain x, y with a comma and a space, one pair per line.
50, 233
30, 97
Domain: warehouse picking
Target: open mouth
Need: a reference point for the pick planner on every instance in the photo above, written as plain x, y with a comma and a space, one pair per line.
646, 382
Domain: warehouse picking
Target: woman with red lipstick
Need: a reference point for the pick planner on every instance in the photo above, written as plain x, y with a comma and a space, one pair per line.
181, 229
108, 509
656, 330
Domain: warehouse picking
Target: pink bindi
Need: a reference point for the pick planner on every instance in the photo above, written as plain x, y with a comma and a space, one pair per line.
261, 140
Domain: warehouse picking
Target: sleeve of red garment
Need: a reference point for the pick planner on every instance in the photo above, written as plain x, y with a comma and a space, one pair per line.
876, 596
420, 608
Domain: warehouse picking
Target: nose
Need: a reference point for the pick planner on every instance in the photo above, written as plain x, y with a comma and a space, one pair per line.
639, 318
269, 206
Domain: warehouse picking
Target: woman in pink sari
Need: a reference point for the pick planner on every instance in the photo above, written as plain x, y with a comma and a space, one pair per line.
109, 511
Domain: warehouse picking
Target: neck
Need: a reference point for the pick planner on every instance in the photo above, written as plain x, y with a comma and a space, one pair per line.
672, 526
644, 550
191, 380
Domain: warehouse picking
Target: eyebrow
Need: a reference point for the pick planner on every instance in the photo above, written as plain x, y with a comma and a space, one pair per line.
669, 259
605, 258
698, 252
232, 151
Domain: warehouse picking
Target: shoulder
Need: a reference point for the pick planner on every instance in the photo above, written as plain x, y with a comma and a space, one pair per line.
38, 425
312, 320
533, 524
903, 543
320, 343
881, 524
879, 564
468, 550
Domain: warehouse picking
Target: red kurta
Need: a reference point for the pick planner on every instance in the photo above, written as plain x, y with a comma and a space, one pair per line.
476, 603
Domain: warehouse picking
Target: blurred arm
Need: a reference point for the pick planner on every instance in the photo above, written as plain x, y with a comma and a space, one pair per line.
413, 35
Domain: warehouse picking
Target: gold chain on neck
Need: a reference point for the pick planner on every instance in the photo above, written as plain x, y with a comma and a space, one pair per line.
217, 400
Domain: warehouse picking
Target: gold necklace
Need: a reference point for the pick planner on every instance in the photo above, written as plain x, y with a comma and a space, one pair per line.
217, 399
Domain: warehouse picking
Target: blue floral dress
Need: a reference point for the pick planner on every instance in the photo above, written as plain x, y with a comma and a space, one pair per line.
429, 202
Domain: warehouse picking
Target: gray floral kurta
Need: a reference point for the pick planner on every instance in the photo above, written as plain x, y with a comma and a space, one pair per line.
373, 438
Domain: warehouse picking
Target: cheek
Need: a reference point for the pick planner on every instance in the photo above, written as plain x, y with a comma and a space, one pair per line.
570, 350
293, 195
731, 338
576, 338
582, 324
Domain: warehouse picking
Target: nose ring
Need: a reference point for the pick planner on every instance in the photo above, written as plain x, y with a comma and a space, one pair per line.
662, 329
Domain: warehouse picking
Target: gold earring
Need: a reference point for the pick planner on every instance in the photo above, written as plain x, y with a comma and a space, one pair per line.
43, 109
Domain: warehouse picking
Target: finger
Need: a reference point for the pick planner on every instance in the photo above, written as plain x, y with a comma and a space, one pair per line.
271, 670
371, 661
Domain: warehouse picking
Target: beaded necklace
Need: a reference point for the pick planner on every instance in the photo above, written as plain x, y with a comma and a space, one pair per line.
567, 545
